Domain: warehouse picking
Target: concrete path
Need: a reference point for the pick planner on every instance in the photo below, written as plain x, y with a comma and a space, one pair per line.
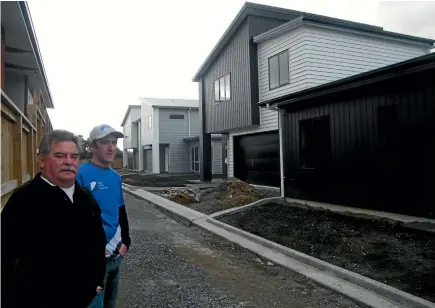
172, 265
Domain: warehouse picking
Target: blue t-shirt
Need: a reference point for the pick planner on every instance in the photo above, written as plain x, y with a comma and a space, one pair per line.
106, 186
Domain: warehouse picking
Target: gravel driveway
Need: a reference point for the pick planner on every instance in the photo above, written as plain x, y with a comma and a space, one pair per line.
170, 265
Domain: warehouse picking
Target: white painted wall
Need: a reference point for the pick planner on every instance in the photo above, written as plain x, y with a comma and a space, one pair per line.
129, 131
147, 135
126, 130
155, 141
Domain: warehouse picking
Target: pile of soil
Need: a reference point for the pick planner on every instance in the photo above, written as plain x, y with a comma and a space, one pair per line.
376, 248
182, 196
230, 193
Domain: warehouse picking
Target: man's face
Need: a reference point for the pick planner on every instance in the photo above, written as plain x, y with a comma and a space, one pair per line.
105, 149
60, 165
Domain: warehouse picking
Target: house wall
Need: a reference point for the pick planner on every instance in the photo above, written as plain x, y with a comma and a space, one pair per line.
366, 169
147, 135
130, 129
148, 156
172, 132
239, 59
216, 146
126, 130
15, 88
321, 54
318, 55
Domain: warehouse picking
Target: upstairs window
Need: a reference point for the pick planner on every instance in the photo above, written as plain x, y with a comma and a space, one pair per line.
222, 89
176, 116
279, 70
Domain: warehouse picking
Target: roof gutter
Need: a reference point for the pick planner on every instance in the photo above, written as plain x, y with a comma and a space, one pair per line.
35, 47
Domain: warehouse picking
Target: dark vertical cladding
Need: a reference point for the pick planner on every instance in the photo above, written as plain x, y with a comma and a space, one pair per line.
205, 166
238, 58
233, 59
382, 147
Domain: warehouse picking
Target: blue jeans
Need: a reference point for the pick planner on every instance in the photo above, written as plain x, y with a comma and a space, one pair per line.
107, 298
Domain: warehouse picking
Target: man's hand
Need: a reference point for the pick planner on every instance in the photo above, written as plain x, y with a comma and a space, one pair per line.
123, 250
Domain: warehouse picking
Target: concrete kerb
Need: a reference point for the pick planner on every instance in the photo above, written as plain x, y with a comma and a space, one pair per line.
243, 208
386, 296
393, 294
174, 210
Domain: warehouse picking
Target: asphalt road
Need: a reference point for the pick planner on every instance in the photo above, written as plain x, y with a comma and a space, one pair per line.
171, 265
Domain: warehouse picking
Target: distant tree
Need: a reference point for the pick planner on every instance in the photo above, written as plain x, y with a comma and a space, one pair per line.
87, 151
119, 153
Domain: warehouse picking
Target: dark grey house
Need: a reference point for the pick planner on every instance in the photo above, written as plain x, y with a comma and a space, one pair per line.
268, 52
366, 141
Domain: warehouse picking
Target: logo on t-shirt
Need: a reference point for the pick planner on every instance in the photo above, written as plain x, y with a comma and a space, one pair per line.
97, 186
92, 185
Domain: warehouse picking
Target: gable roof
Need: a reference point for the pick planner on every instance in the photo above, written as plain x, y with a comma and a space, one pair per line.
170, 103
254, 9
128, 112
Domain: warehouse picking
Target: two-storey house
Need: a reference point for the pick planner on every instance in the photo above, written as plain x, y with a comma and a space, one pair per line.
164, 137
25, 97
267, 52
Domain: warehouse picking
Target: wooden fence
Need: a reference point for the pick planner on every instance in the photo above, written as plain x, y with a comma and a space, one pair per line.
20, 137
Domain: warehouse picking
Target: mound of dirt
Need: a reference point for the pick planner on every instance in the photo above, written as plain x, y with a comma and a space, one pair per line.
181, 196
231, 193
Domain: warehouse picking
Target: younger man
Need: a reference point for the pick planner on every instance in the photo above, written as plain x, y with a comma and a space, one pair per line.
106, 186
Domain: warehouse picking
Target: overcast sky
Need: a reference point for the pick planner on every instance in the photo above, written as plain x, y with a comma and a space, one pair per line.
100, 56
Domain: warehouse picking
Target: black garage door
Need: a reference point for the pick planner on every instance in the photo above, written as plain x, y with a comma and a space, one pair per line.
256, 158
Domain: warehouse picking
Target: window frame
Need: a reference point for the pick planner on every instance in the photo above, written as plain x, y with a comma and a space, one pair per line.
194, 163
176, 117
226, 89
279, 69
150, 122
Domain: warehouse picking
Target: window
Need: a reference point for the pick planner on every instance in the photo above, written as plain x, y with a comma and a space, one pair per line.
279, 70
314, 139
195, 159
176, 116
150, 122
222, 89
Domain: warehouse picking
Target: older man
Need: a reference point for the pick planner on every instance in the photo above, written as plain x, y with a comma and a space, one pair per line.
52, 238
106, 185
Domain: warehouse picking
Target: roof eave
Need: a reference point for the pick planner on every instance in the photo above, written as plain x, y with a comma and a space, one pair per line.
223, 40
34, 43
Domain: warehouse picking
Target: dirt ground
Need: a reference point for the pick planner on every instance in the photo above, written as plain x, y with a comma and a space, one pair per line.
229, 194
379, 249
159, 180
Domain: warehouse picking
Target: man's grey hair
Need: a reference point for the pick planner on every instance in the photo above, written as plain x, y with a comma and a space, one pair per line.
57, 135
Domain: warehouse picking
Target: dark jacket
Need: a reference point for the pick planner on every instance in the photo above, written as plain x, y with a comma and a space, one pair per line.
52, 250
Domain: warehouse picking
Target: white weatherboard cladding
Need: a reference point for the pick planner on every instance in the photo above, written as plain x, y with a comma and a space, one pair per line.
320, 54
